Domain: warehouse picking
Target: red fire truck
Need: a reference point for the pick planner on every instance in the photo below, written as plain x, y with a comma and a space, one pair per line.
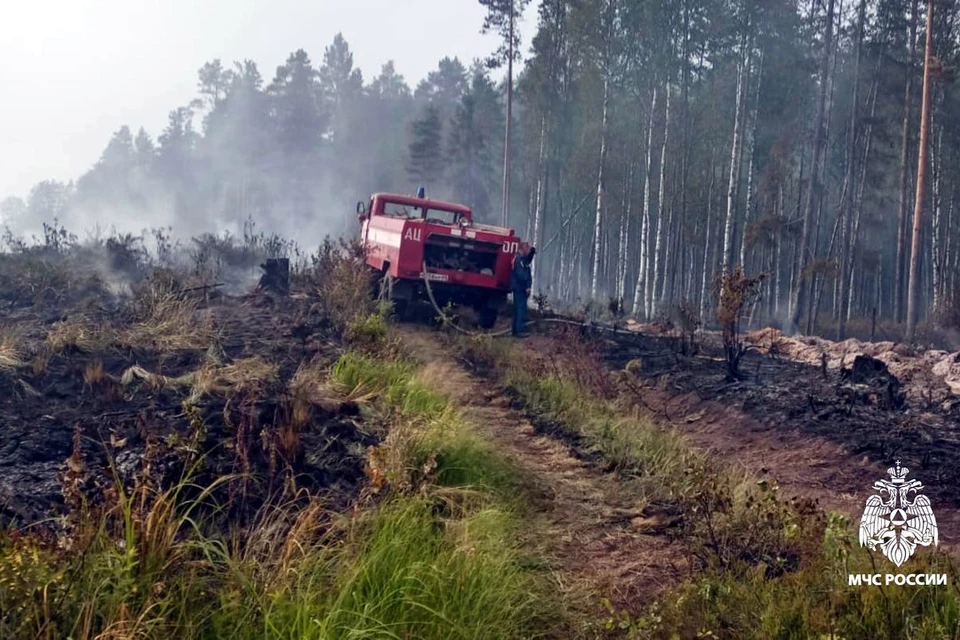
412, 239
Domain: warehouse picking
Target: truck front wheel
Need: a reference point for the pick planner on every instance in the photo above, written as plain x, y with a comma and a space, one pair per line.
487, 317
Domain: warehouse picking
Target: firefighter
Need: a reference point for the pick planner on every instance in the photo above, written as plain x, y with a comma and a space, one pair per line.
521, 279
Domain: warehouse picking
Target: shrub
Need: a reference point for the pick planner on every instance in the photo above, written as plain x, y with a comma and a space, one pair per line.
735, 293
343, 282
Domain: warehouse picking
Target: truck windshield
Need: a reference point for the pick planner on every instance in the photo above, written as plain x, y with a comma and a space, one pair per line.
413, 212
396, 210
442, 216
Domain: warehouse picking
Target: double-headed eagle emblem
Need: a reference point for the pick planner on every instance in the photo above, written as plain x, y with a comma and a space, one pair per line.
895, 522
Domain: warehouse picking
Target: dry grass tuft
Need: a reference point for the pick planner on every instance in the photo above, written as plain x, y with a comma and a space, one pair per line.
76, 333
343, 282
93, 374
311, 384
249, 374
136, 372
168, 323
308, 387
204, 383
40, 362
11, 355
301, 409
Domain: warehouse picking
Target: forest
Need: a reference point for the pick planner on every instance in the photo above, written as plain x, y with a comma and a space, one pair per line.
653, 146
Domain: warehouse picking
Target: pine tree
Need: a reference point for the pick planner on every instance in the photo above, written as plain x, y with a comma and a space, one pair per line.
444, 87
144, 150
425, 165
296, 104
340, 83
502, 16
469, 164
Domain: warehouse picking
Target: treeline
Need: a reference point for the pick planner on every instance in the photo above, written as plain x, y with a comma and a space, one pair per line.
293, 154
655, 143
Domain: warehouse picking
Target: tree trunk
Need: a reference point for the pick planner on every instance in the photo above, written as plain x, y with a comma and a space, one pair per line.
639, 293
505, 205
685, 144
813, 192
707, 266
625, 234
819, 277
775, 283
900, 272
655, 299
913, 288
598, 221
937, 166
848, 203
795, 245
541, 191
753, 115
735, 151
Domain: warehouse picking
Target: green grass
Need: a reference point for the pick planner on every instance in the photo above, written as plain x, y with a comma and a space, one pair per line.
643, 452
412, 580
763, 567
434, 553
434, 430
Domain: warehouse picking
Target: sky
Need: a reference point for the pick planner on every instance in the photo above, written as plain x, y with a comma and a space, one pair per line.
74, 71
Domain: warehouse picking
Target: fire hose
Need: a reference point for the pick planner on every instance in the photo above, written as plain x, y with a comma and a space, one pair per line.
450, 323
445, 319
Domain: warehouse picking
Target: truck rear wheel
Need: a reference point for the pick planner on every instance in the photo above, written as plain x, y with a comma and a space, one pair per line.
401, 309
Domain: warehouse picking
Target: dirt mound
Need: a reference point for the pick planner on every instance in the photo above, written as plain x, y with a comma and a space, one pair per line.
869, 381
924, 375
867, 370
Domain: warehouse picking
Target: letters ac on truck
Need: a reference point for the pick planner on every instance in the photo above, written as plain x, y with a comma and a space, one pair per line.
409, 239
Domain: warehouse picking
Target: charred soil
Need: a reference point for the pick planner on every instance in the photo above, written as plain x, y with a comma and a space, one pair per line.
75, 417
821, 431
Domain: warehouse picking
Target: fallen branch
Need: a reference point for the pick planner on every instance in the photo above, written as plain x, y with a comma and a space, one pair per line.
203, 286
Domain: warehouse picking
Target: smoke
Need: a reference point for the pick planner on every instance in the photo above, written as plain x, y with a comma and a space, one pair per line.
268, 161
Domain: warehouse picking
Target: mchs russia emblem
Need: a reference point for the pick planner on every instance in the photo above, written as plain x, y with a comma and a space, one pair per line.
897, 521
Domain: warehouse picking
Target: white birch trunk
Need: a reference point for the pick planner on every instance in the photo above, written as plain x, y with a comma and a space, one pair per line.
751, 146
734, 181
937, 218
776, 265
669, 258
948, 261
661, 215
564, 270
598, 223
541, 198
861, 187
531, 213
707, 267
639, 293
625, 237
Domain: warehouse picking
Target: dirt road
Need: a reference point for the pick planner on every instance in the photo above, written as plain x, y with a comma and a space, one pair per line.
594, 531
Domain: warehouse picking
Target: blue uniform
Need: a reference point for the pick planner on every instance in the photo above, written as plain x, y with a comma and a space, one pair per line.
521, 279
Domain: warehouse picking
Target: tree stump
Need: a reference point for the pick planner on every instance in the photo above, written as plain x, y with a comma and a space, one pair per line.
276, 275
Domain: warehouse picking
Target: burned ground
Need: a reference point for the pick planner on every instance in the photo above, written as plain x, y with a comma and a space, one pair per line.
80, 410
835, 430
